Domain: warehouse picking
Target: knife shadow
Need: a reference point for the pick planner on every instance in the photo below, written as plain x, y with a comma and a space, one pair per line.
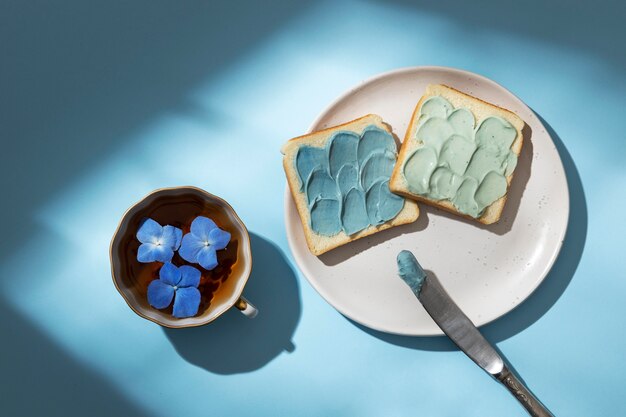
550, 290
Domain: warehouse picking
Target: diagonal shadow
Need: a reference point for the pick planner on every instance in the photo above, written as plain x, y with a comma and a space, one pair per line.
550, 290
40, 379
79, 78
557, 21
236, 344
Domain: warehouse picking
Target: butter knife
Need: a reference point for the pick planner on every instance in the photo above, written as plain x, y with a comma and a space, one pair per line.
462, 331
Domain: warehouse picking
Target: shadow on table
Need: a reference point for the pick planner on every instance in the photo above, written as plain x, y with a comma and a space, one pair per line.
550, 289
78, 79
40, 379
234, 343
555, 22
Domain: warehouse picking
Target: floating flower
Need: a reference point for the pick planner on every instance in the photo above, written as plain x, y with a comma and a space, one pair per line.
158, 243
200, 244
180, 284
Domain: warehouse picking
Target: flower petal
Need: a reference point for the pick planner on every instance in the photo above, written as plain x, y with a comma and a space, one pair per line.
219, 238
160, 294
201, 226
163, 253
146, 253
190, 277
169, 274
149, 231
186, 303
190, 247
208, 258
171, 237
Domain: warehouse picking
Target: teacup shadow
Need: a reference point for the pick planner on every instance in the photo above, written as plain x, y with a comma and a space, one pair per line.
234, 343
550, 290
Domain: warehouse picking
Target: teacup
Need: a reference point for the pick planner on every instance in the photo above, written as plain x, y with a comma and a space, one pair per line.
221, 288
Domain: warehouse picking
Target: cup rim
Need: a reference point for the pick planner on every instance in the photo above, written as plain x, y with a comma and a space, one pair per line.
247, 248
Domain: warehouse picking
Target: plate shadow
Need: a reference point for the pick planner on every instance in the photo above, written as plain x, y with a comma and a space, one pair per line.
234, 343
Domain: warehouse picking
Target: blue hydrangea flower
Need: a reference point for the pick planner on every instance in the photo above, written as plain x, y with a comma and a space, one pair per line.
180, 284
158, 243
200, 244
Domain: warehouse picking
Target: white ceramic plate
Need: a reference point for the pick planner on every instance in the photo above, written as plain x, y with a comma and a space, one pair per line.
488, 270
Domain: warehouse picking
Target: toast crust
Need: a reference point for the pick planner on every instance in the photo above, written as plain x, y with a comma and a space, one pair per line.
397, 183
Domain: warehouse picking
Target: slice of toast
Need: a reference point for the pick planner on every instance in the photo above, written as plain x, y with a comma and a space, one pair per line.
321, 242
480, 110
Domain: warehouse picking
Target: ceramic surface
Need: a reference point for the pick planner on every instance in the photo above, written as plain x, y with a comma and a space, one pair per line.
488, 270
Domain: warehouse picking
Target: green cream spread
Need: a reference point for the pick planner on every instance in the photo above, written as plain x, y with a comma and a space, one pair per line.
346, 183
459, 161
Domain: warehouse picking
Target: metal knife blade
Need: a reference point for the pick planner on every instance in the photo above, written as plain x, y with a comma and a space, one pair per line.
462, 331
458, 327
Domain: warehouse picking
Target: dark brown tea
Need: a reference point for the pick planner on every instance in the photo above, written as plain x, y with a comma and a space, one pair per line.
180, 211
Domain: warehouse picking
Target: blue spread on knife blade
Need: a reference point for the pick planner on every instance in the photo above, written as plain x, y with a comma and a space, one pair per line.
411, 271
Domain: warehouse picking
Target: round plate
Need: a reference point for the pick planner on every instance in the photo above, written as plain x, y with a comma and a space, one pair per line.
487, 270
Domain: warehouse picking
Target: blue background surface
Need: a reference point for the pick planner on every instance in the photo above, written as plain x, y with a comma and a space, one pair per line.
102, 102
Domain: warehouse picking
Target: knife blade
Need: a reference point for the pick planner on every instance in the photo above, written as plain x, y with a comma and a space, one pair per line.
460, 329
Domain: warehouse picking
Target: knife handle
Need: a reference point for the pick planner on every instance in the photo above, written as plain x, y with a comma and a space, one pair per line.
523, 394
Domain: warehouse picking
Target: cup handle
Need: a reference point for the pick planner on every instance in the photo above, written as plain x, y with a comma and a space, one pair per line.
246, 308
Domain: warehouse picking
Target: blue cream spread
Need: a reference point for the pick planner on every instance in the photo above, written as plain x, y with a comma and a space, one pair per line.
410, 271
346, 183
459, 161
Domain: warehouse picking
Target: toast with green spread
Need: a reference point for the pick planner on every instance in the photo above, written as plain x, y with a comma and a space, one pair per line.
459, 154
